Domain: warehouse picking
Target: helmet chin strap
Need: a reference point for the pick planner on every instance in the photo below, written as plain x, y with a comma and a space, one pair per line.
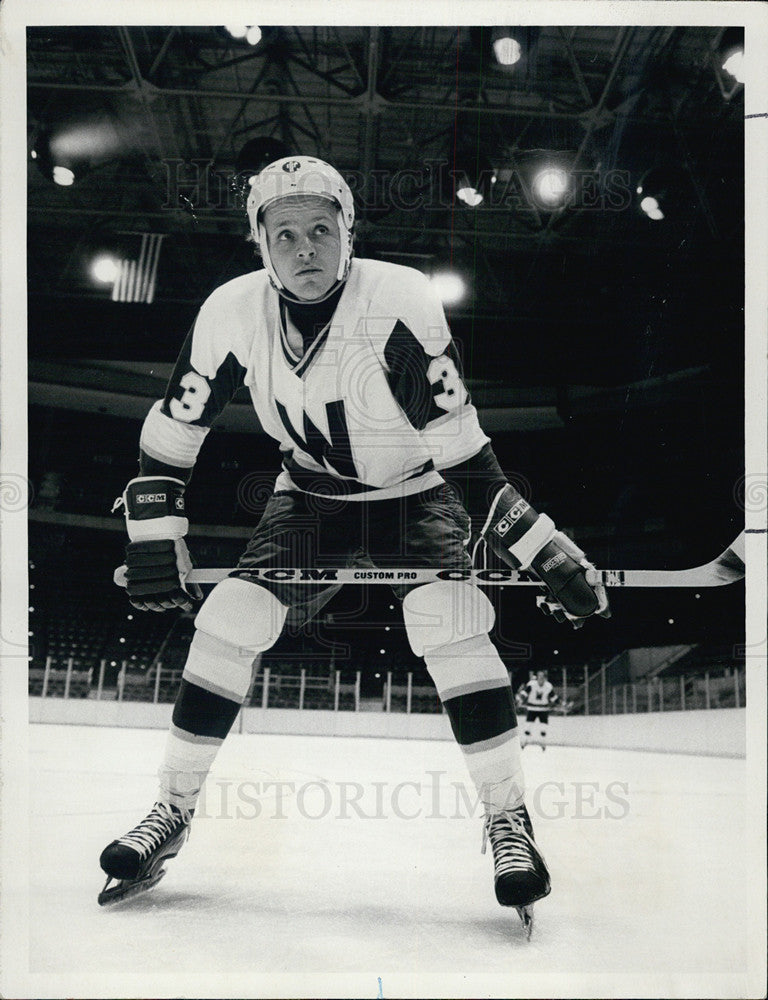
345, 259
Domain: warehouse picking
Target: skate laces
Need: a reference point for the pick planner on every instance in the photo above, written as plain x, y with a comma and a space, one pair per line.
513, 847
154, 828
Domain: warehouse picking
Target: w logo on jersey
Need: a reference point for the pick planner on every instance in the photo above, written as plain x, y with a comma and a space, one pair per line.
335, 454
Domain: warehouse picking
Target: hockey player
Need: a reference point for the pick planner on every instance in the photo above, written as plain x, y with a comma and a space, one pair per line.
351, 368
540, 696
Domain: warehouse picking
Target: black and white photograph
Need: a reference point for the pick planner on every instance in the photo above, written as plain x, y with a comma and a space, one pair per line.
383, 499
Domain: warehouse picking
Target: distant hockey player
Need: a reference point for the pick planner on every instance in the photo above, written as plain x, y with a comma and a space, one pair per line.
351, 368
540, 696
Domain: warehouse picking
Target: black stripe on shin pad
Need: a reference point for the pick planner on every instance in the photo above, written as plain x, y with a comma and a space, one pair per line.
481, 715
202, 713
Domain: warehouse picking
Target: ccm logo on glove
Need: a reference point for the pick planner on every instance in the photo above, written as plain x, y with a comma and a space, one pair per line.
157, 560
513, 514
178, 502
532, 540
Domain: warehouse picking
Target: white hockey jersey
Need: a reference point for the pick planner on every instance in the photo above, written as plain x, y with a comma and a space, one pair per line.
374, 406
539, 695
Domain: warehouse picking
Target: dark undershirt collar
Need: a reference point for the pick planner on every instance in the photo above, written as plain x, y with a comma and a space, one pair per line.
310, 318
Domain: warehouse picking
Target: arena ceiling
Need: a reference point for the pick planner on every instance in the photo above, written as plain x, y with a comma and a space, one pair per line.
157, 116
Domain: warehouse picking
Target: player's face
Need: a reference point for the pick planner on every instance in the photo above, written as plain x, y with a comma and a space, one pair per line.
304, 244
540, 677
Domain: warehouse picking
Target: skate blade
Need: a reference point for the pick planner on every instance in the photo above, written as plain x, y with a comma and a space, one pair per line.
526, 916
127, 888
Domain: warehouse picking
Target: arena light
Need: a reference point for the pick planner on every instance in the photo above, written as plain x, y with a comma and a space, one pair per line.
664, 192
551, 185
67, 149
468, 194
734, 65
90, 140
105, 269
471, 167
42, 157
63, 176
250, 33
512, 45
731, 53
651, 208
506, 48
449, 286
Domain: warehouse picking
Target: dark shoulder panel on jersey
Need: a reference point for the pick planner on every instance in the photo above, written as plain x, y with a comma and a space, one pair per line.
417, 378
175, 427
195, 399
477, 480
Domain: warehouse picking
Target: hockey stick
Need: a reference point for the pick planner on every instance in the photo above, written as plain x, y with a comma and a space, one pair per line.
727, 568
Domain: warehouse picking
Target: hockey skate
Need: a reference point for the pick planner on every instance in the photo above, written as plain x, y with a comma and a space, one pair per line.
520, 876
135, 861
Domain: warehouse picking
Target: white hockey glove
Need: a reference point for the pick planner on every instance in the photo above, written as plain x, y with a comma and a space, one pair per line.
157, 560
525, 539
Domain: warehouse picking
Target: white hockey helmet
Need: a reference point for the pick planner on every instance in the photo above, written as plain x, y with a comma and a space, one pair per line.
301, 175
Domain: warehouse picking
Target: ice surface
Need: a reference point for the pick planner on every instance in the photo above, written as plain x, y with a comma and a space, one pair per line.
642, 847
